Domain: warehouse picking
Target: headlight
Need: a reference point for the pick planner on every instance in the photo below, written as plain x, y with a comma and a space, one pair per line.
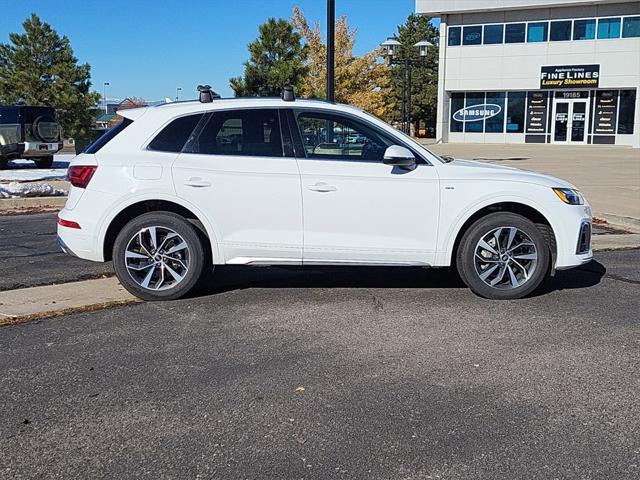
569, 195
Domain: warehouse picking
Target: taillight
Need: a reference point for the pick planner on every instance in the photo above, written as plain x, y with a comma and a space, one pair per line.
68, 223
80, 175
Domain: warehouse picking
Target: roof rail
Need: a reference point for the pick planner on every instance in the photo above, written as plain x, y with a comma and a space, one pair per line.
287, 94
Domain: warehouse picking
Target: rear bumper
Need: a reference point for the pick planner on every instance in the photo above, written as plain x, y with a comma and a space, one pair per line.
39, 149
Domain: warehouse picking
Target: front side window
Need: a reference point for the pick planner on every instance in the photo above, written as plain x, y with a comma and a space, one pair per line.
472, 35
537, 32
631, 27
455, 35
514, 32
493, 34
327, 135
173, 137
608, 28
560, 31
241, 133
584, 29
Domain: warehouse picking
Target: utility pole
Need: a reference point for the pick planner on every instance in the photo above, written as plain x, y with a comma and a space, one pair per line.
331, 34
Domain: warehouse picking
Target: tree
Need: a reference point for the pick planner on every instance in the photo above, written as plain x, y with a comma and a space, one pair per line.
39, 67
359, 81
424, 81
277, 58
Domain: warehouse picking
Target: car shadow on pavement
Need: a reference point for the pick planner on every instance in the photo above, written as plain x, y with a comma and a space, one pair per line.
228, 278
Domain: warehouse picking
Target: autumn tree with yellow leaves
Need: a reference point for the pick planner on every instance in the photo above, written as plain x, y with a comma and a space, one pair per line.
362, 81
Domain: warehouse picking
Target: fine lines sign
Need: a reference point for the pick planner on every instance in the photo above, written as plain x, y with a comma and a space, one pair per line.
569, 76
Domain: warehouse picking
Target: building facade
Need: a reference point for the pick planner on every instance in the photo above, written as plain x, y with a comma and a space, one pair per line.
538, 71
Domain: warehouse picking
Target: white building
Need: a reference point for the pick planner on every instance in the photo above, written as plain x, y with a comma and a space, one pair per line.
538, 71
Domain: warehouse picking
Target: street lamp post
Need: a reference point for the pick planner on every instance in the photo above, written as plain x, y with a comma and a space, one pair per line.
331, 27
104, 98
390, 51
178, 90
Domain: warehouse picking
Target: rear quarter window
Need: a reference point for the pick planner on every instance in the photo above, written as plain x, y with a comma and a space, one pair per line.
173, 137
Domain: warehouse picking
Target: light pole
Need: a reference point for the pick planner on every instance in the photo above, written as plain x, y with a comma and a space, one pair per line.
390, 51
178, 90
331, 34
104, 98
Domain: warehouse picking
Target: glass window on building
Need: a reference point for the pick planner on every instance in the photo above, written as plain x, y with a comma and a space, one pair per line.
584, 29
515, 111
454, 36
631, 27
474, 99
495, 124
537, 32
514, 32
472, 35
608, 28
457, 103
560, 31
626, 111
493, 34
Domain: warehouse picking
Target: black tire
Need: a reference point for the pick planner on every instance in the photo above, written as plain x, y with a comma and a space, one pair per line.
44, 162
469, 271
196, 256
3, 163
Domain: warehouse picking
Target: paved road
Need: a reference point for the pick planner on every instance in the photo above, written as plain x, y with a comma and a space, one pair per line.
30, 256
405, 376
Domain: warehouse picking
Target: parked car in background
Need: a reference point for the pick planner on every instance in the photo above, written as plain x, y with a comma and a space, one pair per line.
175, 189
29, 132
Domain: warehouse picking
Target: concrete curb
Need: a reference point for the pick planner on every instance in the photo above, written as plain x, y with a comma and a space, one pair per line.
626, 223
52, 300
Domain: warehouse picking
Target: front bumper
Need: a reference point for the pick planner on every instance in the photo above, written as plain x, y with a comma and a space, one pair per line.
573, 237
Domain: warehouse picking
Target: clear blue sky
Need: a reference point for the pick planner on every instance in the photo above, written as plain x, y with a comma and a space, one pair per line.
148, 48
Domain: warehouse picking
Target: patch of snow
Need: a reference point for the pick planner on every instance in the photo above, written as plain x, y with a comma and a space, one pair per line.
16, 189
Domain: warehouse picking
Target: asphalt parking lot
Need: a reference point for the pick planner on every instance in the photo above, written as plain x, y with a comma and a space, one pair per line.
370, 373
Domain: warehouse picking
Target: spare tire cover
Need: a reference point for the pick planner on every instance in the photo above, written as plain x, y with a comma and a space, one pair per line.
46, 128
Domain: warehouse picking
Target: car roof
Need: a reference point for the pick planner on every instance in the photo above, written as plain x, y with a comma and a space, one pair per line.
175, 109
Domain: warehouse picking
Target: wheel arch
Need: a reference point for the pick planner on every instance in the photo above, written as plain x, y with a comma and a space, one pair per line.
137, 208
532, 213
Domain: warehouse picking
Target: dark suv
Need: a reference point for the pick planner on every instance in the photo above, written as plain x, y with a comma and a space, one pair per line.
29, 132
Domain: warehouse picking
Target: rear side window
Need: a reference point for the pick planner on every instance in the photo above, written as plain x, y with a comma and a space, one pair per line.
173, 137
108, 136
241, 132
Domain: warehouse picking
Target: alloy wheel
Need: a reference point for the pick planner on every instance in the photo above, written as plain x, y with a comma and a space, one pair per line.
157, 258
505, 258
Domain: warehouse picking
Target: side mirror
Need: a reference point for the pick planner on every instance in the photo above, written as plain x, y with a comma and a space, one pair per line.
399, 157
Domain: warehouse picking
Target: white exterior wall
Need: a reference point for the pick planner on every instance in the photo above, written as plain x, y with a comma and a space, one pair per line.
516, 66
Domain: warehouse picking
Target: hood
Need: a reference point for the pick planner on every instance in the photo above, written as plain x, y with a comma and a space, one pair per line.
473, 170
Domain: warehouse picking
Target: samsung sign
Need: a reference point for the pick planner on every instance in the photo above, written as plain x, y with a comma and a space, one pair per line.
475, 113
570, 76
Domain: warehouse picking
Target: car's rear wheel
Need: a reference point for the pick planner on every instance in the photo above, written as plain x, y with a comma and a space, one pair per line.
44, 162
503, 256
3, 163
159, 256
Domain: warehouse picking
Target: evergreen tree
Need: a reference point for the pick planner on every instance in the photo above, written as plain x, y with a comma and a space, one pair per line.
38, 67
277, 58
424, 78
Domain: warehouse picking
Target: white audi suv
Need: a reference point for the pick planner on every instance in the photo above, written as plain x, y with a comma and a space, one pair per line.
173, 190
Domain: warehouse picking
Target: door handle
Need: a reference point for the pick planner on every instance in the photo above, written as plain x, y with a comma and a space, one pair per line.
197, 182
322, 187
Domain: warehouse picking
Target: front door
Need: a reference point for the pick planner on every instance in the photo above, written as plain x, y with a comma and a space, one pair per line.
356, 209
236, 172
570, 121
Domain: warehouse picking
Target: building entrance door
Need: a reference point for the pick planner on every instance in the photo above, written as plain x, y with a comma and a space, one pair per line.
570, 121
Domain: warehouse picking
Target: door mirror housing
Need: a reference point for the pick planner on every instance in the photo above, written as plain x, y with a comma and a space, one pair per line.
400, 157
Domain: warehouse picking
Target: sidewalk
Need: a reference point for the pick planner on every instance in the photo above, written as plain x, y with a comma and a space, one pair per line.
608, 176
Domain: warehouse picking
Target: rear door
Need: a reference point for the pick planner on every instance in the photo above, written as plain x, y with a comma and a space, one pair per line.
235, 169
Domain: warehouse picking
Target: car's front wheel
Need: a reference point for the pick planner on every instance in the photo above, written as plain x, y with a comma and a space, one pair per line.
503, 256
159, 256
